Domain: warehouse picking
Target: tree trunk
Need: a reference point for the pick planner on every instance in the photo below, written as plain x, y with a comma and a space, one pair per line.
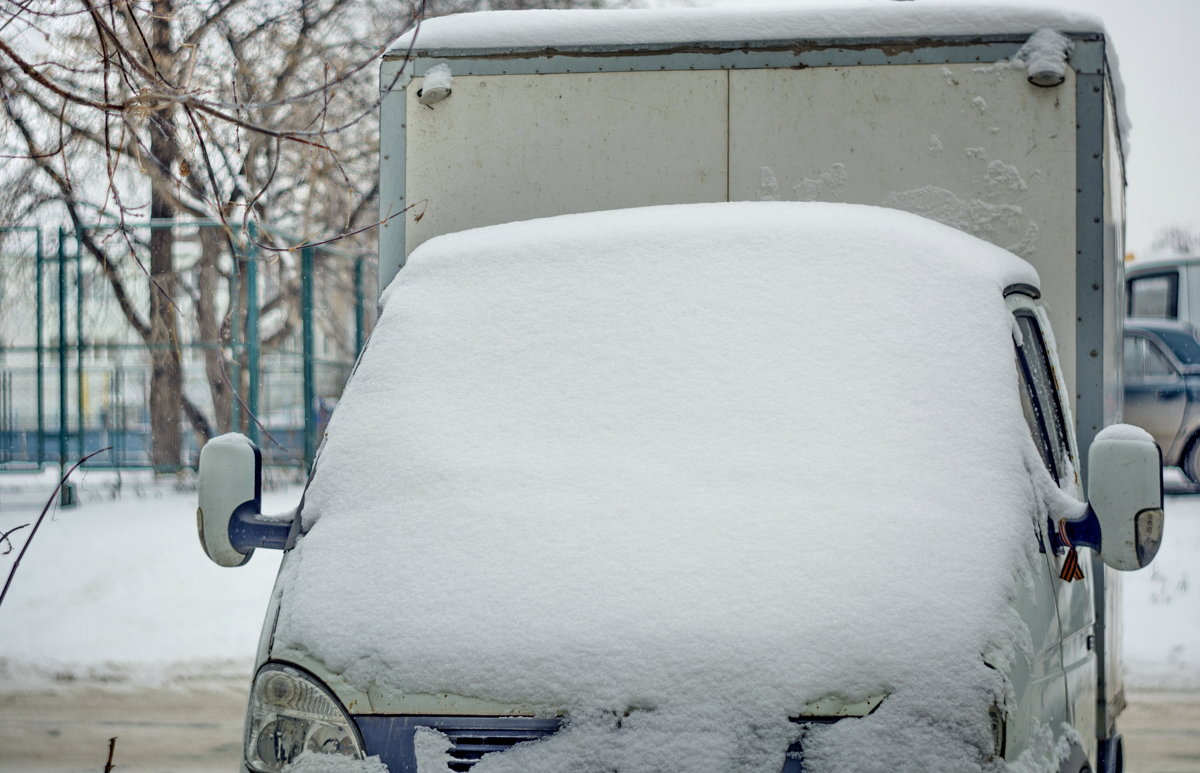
212, 242
166, 370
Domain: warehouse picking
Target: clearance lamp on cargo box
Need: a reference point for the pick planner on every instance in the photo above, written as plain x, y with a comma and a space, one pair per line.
436, 86
1045, 57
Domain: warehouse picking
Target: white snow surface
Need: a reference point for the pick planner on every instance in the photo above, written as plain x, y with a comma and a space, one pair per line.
118, 589
1162, 606
1124, 432
808, 21
716, 461
315, 762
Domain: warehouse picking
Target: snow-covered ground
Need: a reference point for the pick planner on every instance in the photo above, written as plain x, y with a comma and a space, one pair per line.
119, 589
1162, 605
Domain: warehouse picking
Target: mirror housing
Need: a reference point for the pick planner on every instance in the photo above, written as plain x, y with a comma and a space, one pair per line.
229, 518
1125, 496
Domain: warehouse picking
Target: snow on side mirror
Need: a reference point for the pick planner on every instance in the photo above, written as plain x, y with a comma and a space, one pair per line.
230, 519
1125, 495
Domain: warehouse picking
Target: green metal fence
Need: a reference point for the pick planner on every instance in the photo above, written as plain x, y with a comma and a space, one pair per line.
283, 330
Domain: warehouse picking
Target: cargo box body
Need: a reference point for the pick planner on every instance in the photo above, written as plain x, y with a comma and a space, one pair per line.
917, 110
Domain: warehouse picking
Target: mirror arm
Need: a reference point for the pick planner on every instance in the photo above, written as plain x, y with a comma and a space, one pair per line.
249, 529
1081, 533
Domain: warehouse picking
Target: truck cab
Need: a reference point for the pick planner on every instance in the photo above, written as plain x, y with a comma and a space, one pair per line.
742, 486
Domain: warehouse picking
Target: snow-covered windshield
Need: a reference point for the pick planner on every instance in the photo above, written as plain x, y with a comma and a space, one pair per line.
713, 460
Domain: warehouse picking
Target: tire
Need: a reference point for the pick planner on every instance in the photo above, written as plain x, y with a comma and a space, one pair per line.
1191, 460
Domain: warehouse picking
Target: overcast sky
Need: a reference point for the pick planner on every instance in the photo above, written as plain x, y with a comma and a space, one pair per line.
1156, 42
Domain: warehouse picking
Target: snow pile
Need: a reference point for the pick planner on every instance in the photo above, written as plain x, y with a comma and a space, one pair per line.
119, 589
1162, 606
808, 21
677, 472
315, 762
1124, 432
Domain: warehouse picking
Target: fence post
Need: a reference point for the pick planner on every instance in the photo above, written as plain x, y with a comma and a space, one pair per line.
359, 307
235, 375
67, 492
252, 342
80, 397
310, 387
116, 416
41, 356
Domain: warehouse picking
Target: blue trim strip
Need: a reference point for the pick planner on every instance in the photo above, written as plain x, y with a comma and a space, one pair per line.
721, 55
248, 529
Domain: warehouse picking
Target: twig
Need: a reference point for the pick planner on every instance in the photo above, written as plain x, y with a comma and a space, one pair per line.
112, 745
4, 538
12, 572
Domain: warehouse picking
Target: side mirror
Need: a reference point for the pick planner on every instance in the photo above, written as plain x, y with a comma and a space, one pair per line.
1124, 521
229, 518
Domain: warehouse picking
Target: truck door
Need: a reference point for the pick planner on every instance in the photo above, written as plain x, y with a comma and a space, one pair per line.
1073, 598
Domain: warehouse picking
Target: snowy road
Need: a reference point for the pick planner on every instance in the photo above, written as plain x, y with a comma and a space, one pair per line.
198, 728
143, 639
66, 729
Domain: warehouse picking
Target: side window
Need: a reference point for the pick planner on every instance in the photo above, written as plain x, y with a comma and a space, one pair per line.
1039, 395
1033, 417
1155, 295
1157, 364
1134, 368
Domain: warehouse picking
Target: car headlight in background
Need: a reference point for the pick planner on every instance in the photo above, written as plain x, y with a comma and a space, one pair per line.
291, 713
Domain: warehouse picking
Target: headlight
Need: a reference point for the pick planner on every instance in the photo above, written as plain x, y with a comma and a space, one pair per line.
999, 722
291, 713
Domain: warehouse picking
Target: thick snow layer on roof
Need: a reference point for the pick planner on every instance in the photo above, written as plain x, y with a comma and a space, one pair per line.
810, 21
615, 462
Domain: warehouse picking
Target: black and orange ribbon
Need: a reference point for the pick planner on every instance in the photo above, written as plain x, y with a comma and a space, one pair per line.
1070, 570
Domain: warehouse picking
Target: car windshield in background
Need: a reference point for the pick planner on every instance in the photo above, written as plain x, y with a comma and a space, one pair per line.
1183, 345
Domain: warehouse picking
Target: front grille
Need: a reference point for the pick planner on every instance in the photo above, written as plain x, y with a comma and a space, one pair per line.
470, 737
467, 746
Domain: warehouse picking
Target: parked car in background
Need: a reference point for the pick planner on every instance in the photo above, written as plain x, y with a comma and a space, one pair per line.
1162, 387
1164, 289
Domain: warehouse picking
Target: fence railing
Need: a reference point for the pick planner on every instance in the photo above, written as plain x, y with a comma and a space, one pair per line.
264, 340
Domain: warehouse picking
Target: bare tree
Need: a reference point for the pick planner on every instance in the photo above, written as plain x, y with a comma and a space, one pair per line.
228, 110
122, 113
1178, 240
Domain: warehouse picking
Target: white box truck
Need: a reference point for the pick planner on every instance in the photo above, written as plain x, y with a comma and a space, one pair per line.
563, 497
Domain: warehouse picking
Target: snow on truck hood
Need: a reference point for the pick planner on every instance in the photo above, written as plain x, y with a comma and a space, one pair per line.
713, 460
